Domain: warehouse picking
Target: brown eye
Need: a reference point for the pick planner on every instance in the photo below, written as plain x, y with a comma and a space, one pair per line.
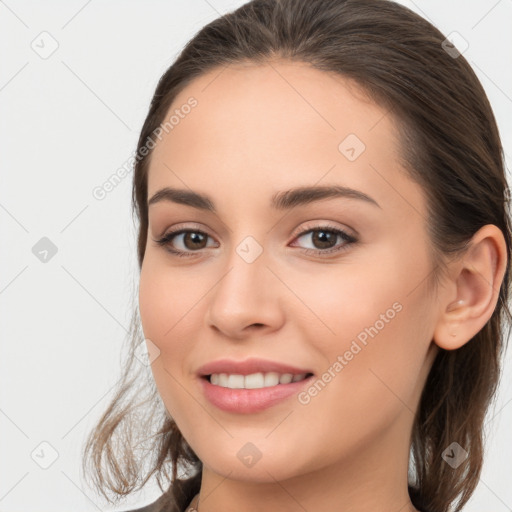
194, 240
325, 240
187, 241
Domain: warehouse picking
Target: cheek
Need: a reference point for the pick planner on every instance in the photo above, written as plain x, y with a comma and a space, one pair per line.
166, 301
171, 311
339, 302
372, 328
163, 315
161, 307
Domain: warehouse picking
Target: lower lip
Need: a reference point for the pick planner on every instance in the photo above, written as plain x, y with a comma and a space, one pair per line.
247, 401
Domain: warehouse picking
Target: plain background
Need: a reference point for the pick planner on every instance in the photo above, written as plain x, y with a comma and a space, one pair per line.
68, 122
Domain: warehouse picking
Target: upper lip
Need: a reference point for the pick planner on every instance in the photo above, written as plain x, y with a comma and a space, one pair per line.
248, 366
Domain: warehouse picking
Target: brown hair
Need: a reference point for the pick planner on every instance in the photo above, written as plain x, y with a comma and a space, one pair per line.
451, 147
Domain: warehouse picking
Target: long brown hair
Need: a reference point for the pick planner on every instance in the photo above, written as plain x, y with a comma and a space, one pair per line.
450, 146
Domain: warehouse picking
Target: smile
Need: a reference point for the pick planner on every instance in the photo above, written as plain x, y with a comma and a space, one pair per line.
254, 380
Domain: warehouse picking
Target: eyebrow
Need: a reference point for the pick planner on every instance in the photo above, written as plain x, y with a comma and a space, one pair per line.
283, 200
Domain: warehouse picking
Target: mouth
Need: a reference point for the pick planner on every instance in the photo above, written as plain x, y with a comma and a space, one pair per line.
257, 380
254, 392
252, 385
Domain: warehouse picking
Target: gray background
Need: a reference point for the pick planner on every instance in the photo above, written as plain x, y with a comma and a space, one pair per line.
68, 122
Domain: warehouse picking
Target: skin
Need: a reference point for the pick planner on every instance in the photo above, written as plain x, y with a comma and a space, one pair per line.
257, 130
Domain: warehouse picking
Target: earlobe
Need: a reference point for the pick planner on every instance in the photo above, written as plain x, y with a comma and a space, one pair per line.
477, 278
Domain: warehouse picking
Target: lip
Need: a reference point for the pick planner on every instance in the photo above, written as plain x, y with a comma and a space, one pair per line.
248, 366
249, 401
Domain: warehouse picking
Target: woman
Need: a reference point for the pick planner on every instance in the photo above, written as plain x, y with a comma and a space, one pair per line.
324, 245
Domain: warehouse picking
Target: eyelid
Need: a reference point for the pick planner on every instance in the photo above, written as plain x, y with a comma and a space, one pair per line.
315, 224
319, 224
184, 226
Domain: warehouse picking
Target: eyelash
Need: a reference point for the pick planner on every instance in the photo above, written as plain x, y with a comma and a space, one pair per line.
349, 239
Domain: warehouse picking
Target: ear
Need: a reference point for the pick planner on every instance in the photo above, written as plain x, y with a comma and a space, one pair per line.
473, 289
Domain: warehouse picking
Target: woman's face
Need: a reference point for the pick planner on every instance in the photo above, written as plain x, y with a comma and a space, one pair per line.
328, 282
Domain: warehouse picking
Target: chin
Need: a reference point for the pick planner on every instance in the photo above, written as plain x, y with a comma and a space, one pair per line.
259, 462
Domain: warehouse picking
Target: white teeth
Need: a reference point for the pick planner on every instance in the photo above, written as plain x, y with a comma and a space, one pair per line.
286, 378
222, 379
254, 380
236, 381
271, 379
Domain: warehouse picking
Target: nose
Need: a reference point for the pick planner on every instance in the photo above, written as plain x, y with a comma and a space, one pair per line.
246, 300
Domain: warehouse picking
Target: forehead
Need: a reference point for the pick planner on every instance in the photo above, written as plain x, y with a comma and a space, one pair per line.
271, 126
